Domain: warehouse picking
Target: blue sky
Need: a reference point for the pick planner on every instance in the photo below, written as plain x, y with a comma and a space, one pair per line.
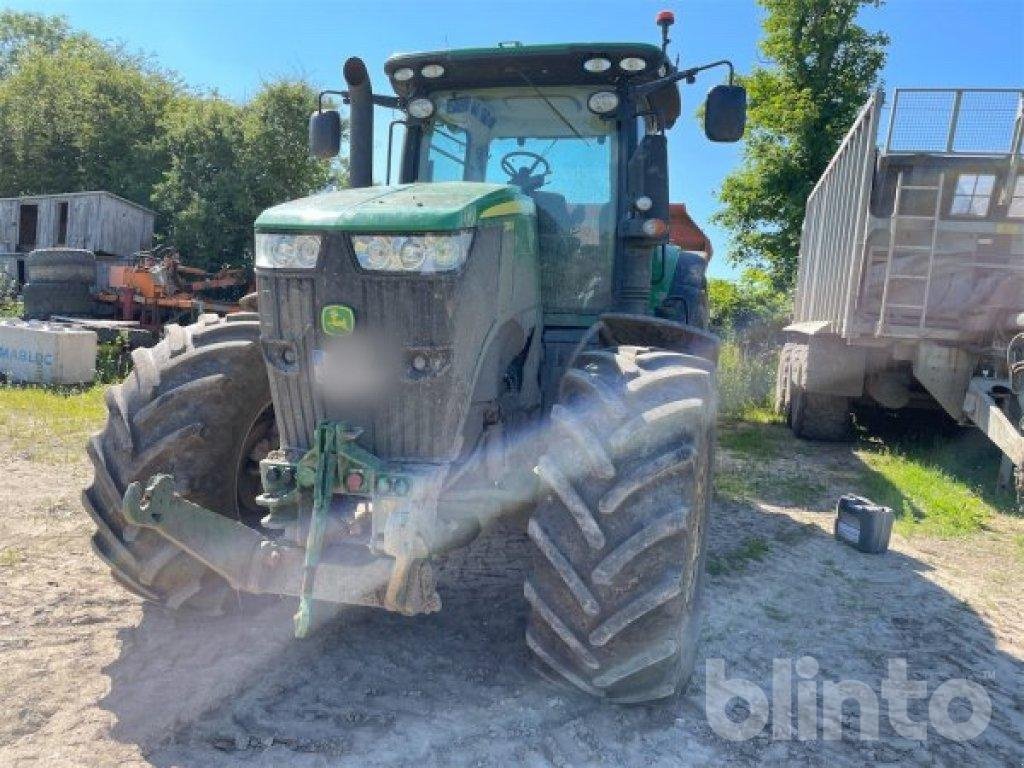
232, 46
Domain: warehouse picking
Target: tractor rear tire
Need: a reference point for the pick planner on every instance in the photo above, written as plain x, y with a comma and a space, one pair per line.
814, 416
619, 535
196, 406
61, 265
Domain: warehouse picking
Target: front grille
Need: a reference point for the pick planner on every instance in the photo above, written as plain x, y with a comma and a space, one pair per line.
287, 315
412, 419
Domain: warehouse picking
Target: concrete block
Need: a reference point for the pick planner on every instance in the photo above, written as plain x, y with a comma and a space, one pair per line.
46, 353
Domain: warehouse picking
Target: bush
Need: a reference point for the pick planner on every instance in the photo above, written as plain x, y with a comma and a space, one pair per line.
10, 305
746, 376
749, 306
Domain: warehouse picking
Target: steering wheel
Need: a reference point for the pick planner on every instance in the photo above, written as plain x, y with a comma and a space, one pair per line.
524, 176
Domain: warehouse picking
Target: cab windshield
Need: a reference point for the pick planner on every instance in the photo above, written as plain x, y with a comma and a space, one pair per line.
546, 142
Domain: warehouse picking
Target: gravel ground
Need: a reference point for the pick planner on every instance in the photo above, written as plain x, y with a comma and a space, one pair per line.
90, 676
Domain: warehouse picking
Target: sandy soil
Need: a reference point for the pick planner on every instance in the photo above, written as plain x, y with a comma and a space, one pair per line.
89, 676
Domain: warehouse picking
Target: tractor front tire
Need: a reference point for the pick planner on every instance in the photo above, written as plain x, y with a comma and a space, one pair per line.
196, 406
619, 535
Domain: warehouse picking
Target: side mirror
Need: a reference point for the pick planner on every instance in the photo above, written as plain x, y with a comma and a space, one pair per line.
325, 134
725, 113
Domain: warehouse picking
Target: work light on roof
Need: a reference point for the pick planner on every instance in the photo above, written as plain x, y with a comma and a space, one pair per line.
633, 64
432, 71
403, 74
598, 64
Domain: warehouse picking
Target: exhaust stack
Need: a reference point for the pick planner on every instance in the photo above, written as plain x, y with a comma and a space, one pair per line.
360, 125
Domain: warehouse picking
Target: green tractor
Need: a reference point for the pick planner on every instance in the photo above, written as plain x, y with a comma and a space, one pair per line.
473, 342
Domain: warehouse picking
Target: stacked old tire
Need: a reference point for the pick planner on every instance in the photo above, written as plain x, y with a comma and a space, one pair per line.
60, 282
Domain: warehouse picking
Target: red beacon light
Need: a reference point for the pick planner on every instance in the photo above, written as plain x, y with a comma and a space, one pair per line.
665, 19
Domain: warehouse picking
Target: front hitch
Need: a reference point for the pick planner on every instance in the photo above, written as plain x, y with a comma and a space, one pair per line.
392, 572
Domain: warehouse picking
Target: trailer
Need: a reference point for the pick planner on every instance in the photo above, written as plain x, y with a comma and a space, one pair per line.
910, 285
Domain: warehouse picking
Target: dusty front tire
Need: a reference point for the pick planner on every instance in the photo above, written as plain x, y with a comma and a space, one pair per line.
196, 406
615, 587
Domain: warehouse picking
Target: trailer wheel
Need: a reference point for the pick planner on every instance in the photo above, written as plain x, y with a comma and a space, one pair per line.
783, 383
615, 586
815, 416
60, 265
197, 406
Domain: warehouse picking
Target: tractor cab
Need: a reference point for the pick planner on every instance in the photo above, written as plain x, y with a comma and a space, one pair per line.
579, 129
554, 123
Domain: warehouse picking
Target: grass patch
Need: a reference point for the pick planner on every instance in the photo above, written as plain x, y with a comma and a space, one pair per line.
760, 440
760, 414
10, 557
925, 497
1018, 542
753, 549
49, 424
750, 441
11, 308
748, 485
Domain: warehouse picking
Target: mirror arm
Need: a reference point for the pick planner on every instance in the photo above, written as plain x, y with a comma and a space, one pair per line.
391, 132
684, 74
389, 102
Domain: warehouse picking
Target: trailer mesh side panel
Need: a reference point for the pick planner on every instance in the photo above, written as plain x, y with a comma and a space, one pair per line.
834, 226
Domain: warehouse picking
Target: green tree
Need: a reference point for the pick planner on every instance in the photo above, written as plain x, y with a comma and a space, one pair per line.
823, 66
752, 300
82, 116
77, 114
226, 163
20, 31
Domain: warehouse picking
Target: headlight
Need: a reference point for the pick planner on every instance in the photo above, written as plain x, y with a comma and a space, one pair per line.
287, 251
421, 108
422, 254
633, 64
403, 74
603, 102
598, 64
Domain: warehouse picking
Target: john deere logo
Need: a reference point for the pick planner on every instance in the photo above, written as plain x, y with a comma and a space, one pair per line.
337, 320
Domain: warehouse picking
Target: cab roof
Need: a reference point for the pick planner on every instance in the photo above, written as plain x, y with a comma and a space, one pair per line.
551, 64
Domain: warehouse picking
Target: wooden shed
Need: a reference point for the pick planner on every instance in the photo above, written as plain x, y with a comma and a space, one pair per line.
113, 228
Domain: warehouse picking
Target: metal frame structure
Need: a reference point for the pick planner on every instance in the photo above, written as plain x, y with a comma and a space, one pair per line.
839, 221
832, 242
956, 121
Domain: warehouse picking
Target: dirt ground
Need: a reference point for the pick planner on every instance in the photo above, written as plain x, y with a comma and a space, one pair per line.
90, 676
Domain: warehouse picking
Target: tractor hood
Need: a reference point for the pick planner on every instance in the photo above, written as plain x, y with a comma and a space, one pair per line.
433, 207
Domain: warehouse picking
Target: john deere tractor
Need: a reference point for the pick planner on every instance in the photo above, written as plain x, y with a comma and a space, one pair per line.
475, 341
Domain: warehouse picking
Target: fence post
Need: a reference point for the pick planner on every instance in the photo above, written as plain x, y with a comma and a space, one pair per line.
953, 120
